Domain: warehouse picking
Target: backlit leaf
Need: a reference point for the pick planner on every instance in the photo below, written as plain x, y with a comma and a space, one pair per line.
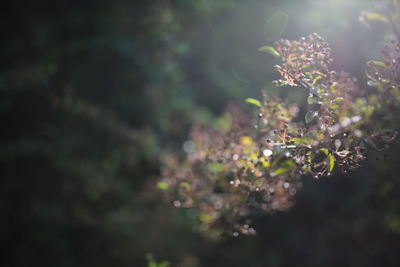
269, 49
162, 185
374, 16
325, 151
377, 63
331, 162
253, 102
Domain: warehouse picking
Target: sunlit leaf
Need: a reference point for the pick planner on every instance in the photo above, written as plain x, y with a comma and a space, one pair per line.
265, 163
377, 63
269, 49
338, 99
253, 102
285, 167
331, 162
319, 77
246, 140
335, 107
162, 185
325, 151
309, 160
374, 16
295, 139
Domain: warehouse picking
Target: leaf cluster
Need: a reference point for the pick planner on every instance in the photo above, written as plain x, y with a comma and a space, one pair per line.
256, 164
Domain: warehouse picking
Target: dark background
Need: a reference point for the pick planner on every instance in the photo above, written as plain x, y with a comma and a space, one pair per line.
93, 92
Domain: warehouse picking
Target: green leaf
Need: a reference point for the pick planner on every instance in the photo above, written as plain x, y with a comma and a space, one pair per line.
338, 99
331, 162
253, 102
325, 151
309, 159
215, 167
377, 63
310, 115
374, 16
316, 79
335, 107
269, 49
162, 185
285, 167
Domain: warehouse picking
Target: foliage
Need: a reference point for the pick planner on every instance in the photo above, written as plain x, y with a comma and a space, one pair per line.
256, 164
95, 93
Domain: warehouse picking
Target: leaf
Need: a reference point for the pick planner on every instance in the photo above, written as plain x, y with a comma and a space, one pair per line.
374, 16
331, 162
309, 160
338, 99
246, 140
269, 49
325, 151
310, 115
335, 107
319, 77
285, 167
253, 102
296, 140
377, 63
162, 185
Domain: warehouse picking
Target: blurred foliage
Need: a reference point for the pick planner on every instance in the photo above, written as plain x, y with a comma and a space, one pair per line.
153, 263
92, 95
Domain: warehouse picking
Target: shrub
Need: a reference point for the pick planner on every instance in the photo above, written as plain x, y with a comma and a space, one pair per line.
252, 165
